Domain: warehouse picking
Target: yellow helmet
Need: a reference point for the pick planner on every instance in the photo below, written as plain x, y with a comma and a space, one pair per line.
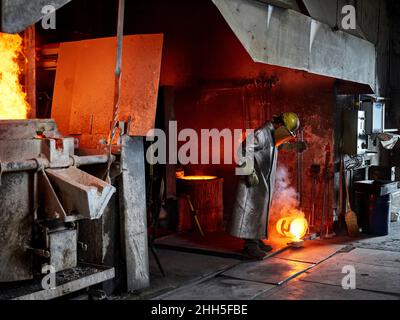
291, 122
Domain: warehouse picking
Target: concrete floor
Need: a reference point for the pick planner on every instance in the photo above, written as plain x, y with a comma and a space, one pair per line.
311, 273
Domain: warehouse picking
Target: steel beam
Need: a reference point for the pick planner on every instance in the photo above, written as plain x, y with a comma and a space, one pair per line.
35, 164
133, 212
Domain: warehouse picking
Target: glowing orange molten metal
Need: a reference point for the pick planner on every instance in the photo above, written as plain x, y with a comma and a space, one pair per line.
12, 98
198, 178
293, 227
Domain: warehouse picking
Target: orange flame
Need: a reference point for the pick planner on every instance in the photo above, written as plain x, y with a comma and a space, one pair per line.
294, 227
298, 228
13, 104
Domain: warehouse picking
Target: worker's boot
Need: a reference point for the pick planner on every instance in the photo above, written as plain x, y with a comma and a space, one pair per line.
252, 250
264, 247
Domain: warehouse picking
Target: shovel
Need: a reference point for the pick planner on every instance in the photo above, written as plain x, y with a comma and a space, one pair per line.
350, 216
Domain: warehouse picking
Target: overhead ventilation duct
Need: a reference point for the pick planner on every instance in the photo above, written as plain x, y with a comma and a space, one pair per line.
287, 38
17, 15
288, 4
329, 12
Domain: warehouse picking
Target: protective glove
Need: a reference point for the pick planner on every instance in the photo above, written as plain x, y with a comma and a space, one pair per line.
252, 180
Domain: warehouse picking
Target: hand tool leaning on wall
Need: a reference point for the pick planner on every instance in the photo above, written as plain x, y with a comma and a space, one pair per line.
350, 215
315, 172
117, 85
325, 192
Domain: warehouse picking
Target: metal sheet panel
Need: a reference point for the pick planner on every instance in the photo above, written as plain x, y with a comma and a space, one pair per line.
133, 211
287, 38
367, 15
289, 4
359, 64
313, 252
282, 46
64, 88
266, 32
271, 271
15, 227
183, 271
63, 250
373, 257
221, 288
370, 277
327, 50
68, 281
27, 129
84, 87
301, 290
16, 15
80, 193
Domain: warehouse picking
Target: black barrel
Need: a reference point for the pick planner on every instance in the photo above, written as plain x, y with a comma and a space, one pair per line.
373, 202
373, 213
379, 208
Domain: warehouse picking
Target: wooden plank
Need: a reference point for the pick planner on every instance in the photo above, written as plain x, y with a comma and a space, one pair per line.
133, 213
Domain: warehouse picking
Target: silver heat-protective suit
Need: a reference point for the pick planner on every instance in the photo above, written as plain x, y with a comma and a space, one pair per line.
251, 209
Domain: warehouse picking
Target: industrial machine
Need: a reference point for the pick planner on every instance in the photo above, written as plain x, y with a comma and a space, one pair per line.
43, 198
355, 139
360, 125
374, 185
374, 116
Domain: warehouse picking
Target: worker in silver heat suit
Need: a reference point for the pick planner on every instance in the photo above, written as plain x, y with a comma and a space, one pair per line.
257, 165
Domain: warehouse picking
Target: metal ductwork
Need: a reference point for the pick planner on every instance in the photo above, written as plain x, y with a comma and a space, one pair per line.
17, 15
329, 12
287, 38
287, 4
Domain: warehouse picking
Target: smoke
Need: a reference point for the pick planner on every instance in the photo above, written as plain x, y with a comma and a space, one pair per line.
285, 196
285, 201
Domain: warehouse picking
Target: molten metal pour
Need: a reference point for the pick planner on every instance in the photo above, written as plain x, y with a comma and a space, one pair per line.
294, 228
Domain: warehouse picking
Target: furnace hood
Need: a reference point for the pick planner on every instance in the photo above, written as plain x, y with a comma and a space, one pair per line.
17, 15
287, 38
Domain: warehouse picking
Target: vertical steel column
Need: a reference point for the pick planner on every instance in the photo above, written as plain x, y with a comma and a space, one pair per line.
133, 212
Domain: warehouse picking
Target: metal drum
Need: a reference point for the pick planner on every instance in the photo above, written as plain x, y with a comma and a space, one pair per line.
206, 195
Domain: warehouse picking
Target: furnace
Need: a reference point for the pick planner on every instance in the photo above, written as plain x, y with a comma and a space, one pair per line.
43, 198
145, 153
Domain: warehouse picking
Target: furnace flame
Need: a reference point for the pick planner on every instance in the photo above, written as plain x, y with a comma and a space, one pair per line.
294, 227
13, 104
286, 220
